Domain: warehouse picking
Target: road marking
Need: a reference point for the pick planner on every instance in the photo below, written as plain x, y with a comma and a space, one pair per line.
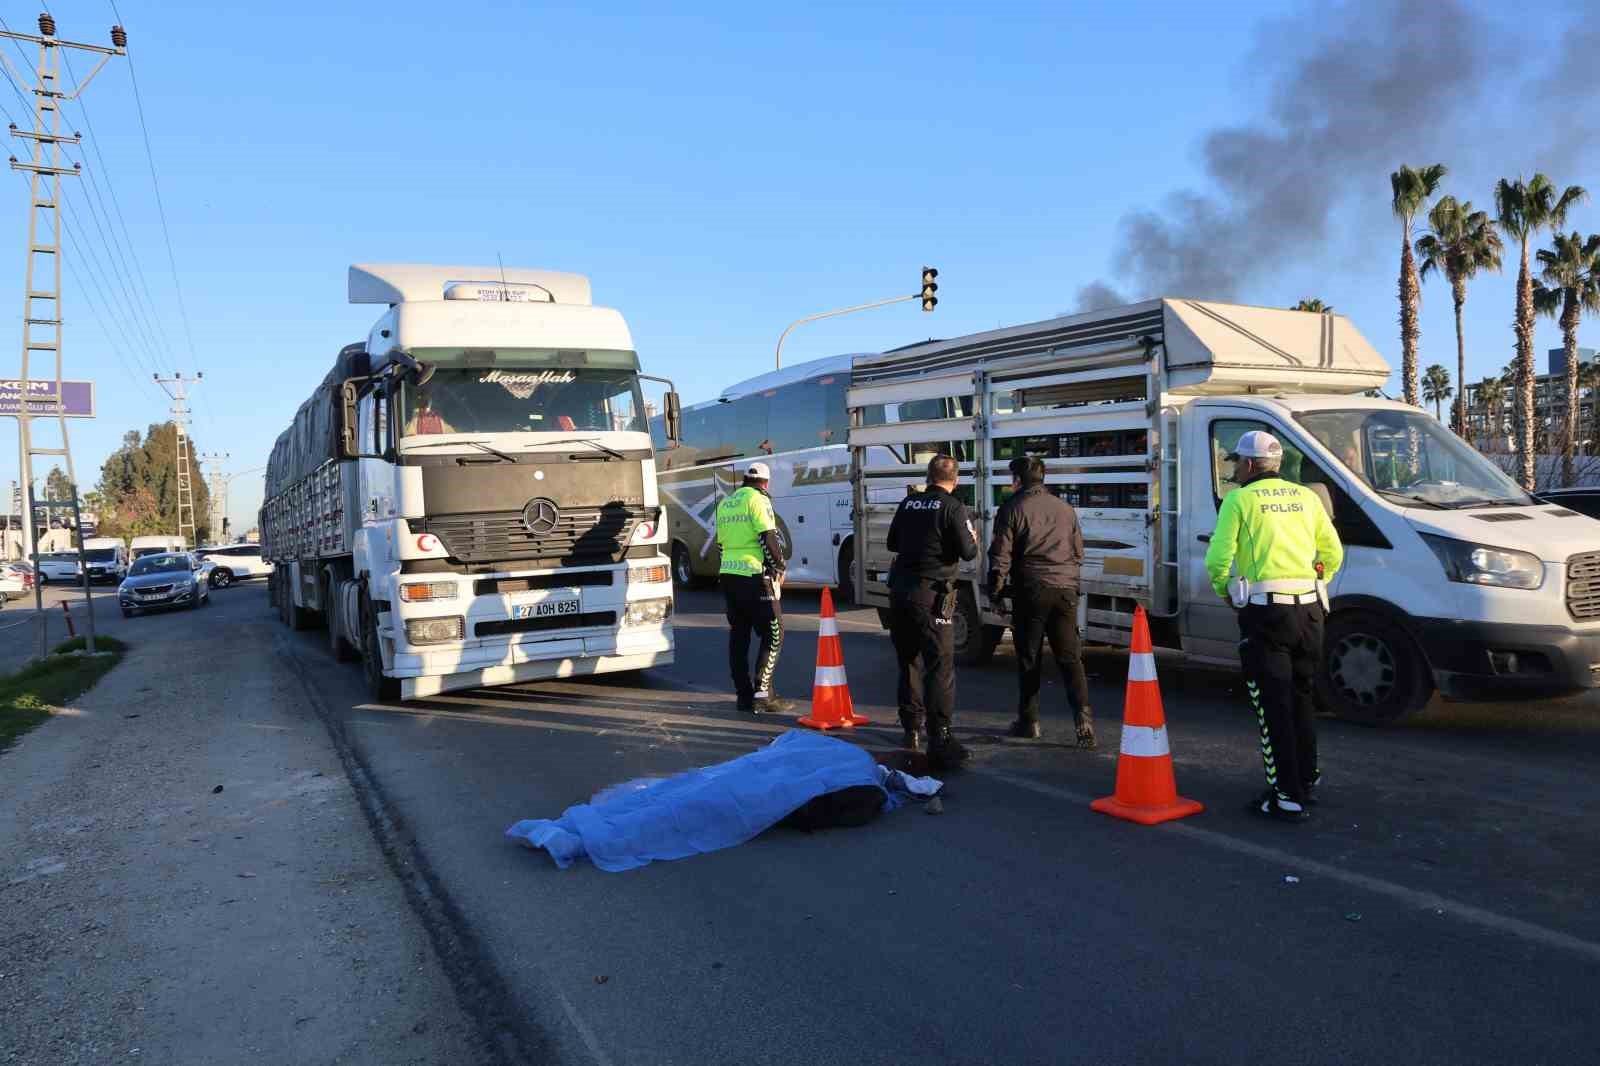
1414, 897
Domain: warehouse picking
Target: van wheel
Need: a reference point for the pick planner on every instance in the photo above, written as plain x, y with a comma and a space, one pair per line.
1371, 672
974, 642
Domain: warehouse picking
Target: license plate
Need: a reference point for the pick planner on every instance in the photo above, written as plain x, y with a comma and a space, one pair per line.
551, 608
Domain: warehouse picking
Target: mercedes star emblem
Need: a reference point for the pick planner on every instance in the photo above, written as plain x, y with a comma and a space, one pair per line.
541, 516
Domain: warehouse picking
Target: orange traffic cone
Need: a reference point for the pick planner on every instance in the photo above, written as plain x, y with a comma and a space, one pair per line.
830, 695
1147, 792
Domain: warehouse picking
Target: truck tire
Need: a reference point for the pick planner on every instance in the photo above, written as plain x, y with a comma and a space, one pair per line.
380, 689
975, 643
1371, 671
342, 652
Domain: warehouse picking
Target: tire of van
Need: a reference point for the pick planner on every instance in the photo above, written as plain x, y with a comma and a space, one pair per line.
975, 642
1371, 671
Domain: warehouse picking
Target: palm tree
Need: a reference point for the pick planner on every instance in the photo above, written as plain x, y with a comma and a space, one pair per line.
1314, 305
1523, 210
1491, 395
1436, 387
1411, 190
1459, 243
1570, 286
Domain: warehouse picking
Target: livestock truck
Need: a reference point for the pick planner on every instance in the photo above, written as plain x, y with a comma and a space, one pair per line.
1455, 579
468, 498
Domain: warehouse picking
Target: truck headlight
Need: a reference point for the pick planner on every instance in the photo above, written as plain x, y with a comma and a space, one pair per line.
1481, 564
647, 612
648, 575
435, 630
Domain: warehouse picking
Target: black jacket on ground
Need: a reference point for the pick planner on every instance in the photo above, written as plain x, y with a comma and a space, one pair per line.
1037, 542
932, 533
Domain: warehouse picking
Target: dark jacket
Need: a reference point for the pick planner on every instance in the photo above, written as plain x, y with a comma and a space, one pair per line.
1037, 542
931, 534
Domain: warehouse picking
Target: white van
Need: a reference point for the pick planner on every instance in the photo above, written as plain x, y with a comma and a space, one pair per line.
107, 558
156, 545
1454, 580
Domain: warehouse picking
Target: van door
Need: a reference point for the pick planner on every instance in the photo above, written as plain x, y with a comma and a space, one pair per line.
1210, 626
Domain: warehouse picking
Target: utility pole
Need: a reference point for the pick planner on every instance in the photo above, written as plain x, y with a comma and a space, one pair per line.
217, 482
41, 309
180, 420
220, 483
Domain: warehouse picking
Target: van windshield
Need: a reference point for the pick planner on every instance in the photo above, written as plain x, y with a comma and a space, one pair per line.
100, 555
1412, 460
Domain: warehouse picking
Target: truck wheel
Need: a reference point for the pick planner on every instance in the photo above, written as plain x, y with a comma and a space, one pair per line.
974, 644
885, 618
1371, 672
381, 689
342, 652
845, 587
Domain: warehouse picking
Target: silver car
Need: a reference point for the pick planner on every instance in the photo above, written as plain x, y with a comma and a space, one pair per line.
167, 580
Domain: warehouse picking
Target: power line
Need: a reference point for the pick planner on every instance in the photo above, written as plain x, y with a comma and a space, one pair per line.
81, 245
139, 320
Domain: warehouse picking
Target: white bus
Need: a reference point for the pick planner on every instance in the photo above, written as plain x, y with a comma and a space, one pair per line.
797, 422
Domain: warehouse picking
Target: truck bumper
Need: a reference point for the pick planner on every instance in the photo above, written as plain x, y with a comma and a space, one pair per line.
450, 671
1493, 660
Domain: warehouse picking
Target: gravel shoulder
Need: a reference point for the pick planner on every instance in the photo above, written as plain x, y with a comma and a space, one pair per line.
186, 875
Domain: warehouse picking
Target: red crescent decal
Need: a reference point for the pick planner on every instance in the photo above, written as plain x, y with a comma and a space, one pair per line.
427, 542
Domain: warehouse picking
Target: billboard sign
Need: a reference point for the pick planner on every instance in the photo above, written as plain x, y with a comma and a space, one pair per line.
77, 397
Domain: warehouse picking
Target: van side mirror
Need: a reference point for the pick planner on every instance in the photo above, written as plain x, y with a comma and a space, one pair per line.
673, 417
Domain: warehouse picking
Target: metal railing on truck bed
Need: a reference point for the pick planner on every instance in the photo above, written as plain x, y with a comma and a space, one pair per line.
308, 520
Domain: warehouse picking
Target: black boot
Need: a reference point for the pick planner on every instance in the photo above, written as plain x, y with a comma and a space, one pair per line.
911, 738
1085, 720
945, 752
1025, 728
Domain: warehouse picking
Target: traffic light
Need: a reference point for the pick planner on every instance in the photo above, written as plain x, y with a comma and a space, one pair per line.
929, 287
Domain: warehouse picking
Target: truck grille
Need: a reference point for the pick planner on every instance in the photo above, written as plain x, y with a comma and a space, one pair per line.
582, 535
1583, 586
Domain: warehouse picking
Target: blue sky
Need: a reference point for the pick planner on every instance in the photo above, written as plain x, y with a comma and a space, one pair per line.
716, 174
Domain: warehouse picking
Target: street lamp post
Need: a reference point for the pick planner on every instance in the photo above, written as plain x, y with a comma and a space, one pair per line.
926, 295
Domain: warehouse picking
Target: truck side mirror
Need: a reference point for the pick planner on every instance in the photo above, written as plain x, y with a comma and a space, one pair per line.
673, 417
349, 421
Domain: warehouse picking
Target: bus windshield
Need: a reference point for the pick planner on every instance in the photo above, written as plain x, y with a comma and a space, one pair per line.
1411, 460
523, 399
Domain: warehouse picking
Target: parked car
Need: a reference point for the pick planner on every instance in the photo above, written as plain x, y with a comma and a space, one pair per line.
235, 562
16, 581
170, 579
1584, 501
60, 566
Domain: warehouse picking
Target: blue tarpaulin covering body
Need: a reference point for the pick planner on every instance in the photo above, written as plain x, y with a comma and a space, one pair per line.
714, 807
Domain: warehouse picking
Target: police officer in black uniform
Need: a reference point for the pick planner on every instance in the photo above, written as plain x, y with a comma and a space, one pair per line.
932, 533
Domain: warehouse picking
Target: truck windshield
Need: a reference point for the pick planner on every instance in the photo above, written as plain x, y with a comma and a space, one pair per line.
523, 399
1412, 460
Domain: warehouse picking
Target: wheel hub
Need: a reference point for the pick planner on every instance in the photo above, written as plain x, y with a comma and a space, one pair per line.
1363, 667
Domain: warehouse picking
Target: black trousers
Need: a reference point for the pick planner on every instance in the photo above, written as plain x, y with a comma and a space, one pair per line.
1280, 646
1048, 613
925, 648
752, 611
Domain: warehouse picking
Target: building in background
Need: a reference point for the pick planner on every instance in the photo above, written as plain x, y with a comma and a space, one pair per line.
1492, 430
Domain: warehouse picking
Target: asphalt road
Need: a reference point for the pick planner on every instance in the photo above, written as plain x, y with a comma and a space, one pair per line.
1443, 911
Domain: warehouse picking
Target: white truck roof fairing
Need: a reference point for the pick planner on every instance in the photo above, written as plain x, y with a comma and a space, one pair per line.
467, 324
1208, 348
402, 283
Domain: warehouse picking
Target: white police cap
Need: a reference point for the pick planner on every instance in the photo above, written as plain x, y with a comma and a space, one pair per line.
1257, 445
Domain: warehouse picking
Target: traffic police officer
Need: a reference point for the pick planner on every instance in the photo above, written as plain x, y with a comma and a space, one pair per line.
752, 579
1278, 536
1037, 553
931, 535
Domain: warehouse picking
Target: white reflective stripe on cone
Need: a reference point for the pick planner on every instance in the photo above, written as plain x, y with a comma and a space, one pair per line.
1145, 742
1142, 666
828, 627
830, 676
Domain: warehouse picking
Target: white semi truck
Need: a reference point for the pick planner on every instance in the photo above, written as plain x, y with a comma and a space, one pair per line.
469, 497
1454, 580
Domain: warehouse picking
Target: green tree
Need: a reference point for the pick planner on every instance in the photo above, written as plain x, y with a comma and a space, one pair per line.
1524, 210
1411, 189
1569, 286
138, 490
1313, 305
1436, 387
1460, 243
1492, 398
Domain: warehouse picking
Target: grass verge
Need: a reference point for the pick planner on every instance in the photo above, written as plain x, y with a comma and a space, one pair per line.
32, 694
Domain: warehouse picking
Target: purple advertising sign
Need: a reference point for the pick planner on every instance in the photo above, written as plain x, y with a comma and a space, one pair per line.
77, 397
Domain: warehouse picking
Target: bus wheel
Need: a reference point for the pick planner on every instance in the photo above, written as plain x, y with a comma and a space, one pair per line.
1371, 671
846, 585
683, 574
